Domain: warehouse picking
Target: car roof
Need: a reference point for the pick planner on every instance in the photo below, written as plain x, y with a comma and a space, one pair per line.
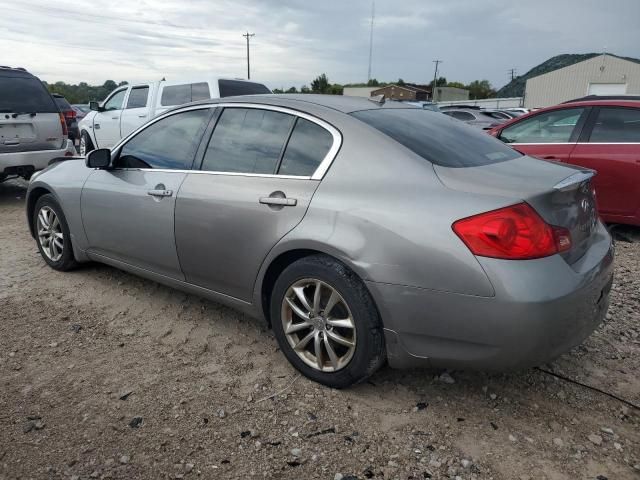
341, 103
14, 72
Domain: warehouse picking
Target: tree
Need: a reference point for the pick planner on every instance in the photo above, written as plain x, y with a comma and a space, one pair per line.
277, 90
456, 85
305, 89
400, 82
320, 84
479, 89
292, 90
441, 82
373, 83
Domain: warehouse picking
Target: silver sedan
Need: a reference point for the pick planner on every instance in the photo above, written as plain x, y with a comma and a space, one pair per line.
361, 232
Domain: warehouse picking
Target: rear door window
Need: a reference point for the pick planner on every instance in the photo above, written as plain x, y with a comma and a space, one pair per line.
181, 94
231, 88
307, 148
557, 126
438, 138
616, 125
24, 94
247, 140
169, 143
138, 97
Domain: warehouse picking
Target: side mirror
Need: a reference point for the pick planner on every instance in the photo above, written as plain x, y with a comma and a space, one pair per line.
100, 158
95, 106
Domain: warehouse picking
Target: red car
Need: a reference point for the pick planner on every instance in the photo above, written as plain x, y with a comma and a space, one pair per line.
603, 135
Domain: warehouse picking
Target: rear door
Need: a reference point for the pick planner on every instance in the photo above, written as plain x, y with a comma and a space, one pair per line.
106, 124
550, 135
128, 211
611, 146
136, 110
259, 171
29, 118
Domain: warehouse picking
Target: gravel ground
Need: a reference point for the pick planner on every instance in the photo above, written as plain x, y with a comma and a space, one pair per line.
106, 375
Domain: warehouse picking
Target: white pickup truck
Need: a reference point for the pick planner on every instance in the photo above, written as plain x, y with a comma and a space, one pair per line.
129, 106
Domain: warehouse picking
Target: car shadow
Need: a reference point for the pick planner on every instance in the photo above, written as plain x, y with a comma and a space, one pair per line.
12, 192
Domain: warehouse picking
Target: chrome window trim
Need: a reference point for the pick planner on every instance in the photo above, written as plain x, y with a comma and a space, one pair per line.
318, 174
578, 143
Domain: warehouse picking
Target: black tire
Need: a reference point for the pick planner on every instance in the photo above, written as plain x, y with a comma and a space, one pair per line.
67, 261
369, 352
86, 139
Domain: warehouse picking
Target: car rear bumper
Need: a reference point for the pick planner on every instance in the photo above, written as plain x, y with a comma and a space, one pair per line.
38, 160
541, 309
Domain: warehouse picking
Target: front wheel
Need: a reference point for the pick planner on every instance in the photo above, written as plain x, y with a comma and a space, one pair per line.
326, 322
86, 145
52, 234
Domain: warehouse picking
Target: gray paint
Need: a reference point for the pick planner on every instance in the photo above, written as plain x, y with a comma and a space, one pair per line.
380, 209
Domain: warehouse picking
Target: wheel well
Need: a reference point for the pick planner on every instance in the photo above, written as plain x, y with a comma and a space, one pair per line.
35, 194
276, 267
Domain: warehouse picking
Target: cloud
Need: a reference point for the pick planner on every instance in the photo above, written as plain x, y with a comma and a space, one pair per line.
296, 40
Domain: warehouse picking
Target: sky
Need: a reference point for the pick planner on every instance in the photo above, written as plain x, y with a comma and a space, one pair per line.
296, 40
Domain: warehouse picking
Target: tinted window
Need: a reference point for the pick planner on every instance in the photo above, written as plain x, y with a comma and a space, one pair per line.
307, 147
200, 91
24, 94
551, 127
62, 103
115, 102
438, 138
231, 88
167, 143
247, 141
180, 94
138, 97
617, 125
464, 116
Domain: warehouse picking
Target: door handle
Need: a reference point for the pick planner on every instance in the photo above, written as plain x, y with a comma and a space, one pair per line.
115, 118
160, 193
279, 201
142, 116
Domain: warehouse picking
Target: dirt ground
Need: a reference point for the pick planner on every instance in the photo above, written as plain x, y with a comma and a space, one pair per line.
106, 375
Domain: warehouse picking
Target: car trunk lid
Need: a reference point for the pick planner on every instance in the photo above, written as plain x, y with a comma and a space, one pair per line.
562, 195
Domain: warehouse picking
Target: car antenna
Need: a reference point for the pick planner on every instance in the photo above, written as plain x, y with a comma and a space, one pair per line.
379, 99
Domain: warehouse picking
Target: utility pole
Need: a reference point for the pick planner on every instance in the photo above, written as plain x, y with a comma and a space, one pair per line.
373, 16
512, 73
435, 80
248, 36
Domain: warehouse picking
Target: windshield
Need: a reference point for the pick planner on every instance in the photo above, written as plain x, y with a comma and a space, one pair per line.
438, 138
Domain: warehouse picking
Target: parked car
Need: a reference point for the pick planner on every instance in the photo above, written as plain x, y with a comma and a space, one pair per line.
519, 111
357, 230
425, 105
70, 116
81, 110
475, 117
32, 129
129, 106
603, 135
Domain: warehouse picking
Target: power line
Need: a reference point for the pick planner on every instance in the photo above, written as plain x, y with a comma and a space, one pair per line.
373, 16
435, 80
248, 36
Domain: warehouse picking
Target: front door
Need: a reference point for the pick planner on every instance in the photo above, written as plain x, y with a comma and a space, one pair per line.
612, 148
254, 187
128, 210
106, 124
549, 135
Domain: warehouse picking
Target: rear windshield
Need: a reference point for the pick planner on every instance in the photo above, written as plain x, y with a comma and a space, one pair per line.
20, 94
231, 88
62, 103
438, 138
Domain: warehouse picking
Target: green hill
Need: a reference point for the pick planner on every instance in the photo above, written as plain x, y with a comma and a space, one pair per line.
515, 88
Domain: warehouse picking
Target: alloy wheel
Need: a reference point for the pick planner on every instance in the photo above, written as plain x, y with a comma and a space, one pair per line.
50, 234
318, 325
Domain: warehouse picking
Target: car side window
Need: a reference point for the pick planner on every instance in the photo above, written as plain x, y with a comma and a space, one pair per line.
551, 127
138, 97
169, 143
181, 94
115, 102
307, 147
464, 116
616, 125
247, 140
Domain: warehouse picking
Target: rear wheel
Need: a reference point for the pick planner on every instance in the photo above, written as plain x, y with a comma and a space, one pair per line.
86, 145
326, 323
52, 234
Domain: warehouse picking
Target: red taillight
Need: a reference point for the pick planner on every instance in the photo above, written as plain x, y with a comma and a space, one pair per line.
69, 114
514, 233
63, 123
